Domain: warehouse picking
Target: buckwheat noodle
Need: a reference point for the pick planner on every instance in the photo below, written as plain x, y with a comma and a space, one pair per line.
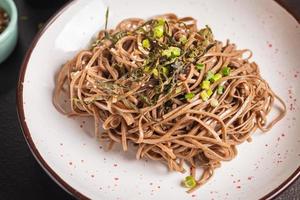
123, 83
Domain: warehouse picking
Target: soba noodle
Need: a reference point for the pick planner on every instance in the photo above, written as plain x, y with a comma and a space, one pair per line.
176, 93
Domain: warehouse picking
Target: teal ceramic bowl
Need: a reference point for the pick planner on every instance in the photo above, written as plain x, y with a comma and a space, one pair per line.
8, 38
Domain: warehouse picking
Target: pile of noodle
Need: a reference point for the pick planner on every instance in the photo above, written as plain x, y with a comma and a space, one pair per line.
111, 83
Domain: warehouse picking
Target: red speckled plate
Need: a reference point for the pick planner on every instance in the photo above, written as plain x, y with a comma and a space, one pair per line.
78, 162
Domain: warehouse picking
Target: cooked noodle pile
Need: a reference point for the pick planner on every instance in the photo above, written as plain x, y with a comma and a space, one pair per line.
173, 91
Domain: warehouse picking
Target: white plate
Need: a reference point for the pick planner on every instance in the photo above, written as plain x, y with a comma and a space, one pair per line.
78, 162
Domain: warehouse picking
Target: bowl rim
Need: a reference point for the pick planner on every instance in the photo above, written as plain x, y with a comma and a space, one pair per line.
12, 22
26, 133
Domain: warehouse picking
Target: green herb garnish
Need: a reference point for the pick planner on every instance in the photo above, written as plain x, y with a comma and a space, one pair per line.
199, 66
209, 92
189, 182
204, 96
220, 89
178, 90
226, 71
158, 31
155, 73
165, 71
205, 85
209, 75
189, 96
106, 17
161, 21
146, 43
145, 100
171, 52
147, 69
214, 102
183, 39
216, 77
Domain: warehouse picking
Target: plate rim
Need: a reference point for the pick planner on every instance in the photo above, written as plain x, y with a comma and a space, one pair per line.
35, 152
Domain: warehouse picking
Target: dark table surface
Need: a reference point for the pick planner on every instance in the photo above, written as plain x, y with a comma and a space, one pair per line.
21, 177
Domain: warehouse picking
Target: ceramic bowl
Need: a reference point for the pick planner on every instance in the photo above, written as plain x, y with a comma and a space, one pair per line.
8, 38
80, 164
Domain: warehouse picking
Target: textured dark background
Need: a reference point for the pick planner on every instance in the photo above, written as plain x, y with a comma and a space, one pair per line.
21, 177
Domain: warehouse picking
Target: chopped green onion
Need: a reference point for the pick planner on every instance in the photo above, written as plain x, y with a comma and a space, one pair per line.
146, 69
175, 51
226, 71
214, 102
199, 66
209, 92
209, 75
166, 53
165, 71
183, 39
146, 61
155, 72
171, 52
158, 31
204, 95
161, 21
178, 90
189, 182
220, 89
205, 85
216, 77
189, 96
146, 43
